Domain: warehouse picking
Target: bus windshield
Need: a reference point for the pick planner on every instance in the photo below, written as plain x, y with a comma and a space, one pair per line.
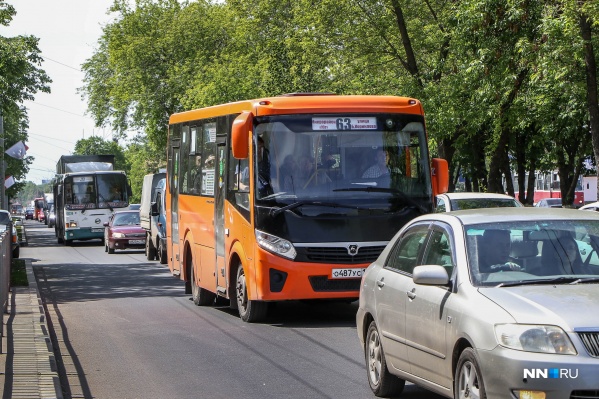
96, 191
370, 162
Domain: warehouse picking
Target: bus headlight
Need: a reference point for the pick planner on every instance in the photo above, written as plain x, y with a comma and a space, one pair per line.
275, 245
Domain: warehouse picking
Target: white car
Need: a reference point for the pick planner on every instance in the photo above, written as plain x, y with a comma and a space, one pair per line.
593, 206
459, 201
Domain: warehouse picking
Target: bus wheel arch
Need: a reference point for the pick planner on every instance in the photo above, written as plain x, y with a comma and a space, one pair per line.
199, 295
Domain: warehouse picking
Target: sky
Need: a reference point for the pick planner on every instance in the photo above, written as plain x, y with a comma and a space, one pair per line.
68, 31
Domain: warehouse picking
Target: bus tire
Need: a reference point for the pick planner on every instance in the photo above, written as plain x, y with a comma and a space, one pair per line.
200, 296
249, 311
150, 250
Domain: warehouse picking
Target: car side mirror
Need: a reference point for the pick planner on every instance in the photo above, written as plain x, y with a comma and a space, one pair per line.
430, 275
105, 224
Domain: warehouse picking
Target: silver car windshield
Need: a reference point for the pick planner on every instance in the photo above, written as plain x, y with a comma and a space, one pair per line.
513, 253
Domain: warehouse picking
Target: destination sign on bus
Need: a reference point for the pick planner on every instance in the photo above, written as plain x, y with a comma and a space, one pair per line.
344, 123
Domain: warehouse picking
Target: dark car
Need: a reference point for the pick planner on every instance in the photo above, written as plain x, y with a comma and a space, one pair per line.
123, 232
29, 213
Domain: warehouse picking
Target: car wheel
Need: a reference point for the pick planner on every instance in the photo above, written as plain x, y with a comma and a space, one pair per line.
150, 250
162, 253
200, 296
68, 242
110, 250
249, 311
468, 382
382, 383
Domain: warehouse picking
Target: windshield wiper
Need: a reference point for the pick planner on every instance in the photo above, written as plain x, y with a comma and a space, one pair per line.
371, 189
586, 280
558, 280
297, 204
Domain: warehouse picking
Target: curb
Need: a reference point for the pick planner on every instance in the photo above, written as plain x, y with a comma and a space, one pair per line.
31, 370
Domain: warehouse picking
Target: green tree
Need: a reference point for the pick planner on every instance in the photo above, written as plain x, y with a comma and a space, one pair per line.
20, 79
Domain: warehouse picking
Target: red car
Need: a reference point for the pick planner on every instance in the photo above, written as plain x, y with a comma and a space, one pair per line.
123, 231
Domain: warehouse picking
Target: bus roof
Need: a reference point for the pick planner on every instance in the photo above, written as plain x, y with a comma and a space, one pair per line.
306, 103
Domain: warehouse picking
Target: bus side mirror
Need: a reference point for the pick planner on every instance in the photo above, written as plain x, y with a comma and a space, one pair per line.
240, 135
440, 176
154, 210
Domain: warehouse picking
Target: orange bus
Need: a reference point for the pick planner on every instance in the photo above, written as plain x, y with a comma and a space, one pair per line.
279, 199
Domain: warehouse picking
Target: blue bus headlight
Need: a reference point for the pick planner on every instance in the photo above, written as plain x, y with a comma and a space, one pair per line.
275, 244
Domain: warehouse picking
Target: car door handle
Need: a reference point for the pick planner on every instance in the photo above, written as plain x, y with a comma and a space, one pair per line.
380, 283
412, 294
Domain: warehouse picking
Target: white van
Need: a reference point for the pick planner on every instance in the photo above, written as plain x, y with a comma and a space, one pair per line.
148, 196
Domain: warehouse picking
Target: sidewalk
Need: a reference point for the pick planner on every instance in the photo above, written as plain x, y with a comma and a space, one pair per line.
27, 364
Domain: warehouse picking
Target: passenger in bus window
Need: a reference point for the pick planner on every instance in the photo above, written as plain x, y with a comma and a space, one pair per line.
196, 175
115, 194
379, 168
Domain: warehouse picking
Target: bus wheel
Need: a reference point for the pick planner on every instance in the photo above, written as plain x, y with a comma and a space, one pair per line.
200, 296
150, 250
249, 311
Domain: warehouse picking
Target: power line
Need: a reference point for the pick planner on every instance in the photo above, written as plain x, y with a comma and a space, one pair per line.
60, 63
48, 137
61, 110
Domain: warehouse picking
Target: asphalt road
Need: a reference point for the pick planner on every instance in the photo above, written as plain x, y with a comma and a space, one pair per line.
123, 328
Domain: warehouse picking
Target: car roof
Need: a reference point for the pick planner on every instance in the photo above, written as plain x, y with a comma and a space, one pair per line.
463, 195
496, 215
590, 205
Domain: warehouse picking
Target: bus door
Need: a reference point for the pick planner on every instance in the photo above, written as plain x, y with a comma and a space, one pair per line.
219, 217
173, 243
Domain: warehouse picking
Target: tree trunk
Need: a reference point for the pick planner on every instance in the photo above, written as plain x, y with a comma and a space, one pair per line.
591, 78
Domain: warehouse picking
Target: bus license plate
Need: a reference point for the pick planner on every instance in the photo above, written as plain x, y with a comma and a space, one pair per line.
347, 273
136, 242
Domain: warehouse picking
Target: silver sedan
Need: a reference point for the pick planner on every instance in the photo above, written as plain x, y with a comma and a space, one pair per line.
488, 303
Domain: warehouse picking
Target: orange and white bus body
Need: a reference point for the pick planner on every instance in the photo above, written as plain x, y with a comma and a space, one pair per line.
247, 222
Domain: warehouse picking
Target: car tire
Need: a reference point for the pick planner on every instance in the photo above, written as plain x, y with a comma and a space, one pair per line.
162, 257
468, 380
249, 311
200, 296
150, 249
382, 383
110, 250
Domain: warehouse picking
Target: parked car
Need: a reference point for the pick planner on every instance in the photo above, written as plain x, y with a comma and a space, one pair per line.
549, 203
7, 223
17, 221
123, 231
459, 201
593, 206
492, 303
29, 213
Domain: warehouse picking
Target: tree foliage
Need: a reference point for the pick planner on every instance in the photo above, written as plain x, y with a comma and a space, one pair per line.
506, 85
20, 78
